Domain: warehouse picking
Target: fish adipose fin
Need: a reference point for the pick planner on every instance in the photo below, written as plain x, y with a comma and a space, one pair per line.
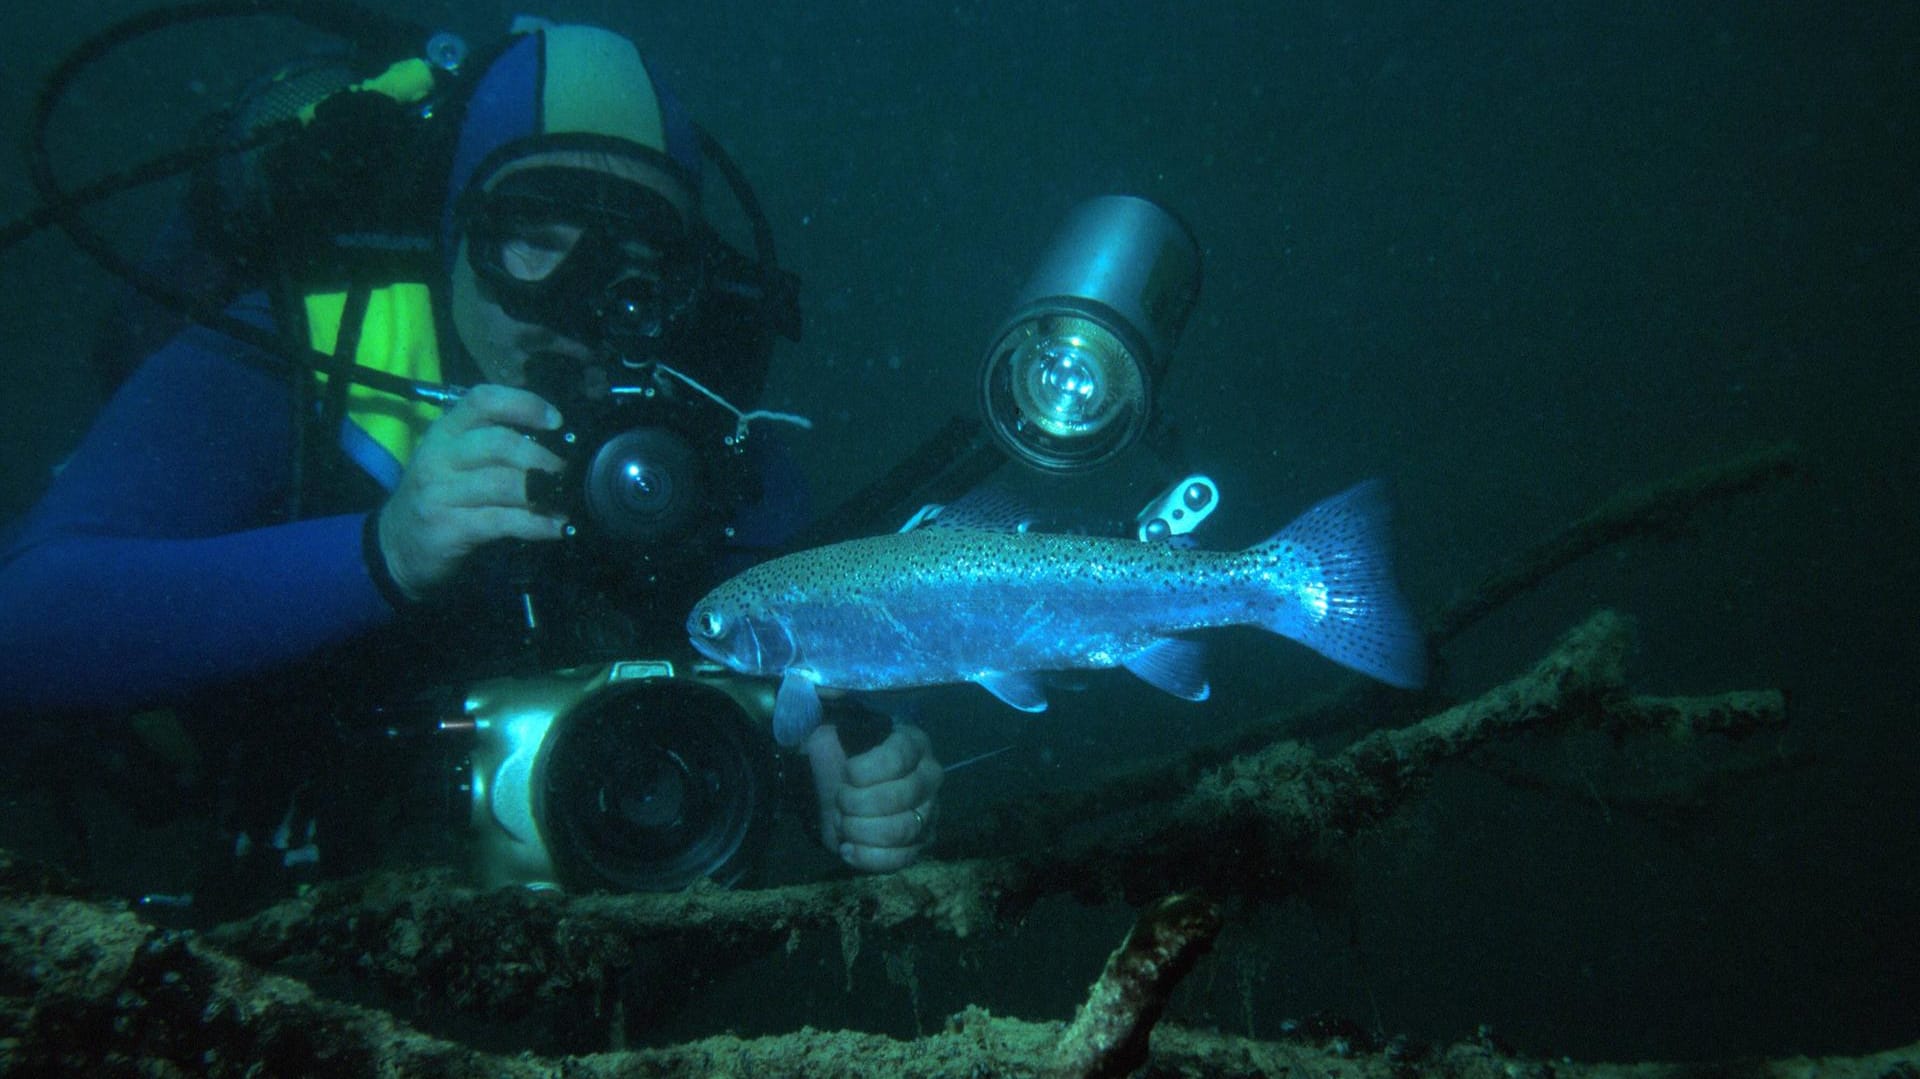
1017, 689
796, 710
1173, 665
1332, 577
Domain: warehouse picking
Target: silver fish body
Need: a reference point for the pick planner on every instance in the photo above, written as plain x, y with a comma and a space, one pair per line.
952, 604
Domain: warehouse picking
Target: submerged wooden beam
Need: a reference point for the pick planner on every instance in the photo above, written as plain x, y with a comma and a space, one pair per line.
1655, 509
505, 951
87, 988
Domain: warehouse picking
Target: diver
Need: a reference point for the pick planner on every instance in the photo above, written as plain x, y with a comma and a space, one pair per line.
270, 580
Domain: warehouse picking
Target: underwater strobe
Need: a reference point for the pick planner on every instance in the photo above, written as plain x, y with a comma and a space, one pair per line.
1068, 380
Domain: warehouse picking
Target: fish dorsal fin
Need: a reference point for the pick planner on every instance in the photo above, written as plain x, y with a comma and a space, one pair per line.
1174, 665
1017, 688
796, 710
984, 509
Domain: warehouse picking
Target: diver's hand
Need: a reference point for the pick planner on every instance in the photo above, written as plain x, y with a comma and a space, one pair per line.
876, 810
467, 485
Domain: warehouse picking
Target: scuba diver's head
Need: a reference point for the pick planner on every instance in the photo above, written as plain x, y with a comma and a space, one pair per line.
574, 227
581, 267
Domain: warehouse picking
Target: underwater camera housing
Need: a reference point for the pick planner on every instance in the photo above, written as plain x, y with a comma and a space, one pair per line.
651, 478
640, 775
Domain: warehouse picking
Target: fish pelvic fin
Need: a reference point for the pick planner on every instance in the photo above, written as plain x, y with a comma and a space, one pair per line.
1329, 582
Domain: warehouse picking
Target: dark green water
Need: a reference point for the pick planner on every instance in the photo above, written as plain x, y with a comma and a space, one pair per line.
1511, 256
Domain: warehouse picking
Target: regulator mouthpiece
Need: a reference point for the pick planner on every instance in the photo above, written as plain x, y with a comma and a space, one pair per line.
1068, 381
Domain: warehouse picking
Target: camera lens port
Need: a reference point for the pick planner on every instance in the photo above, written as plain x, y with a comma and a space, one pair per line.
653, 785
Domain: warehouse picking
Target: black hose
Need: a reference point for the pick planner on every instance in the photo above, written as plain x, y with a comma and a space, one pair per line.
164, 167
60, 207
369, 30
743, 192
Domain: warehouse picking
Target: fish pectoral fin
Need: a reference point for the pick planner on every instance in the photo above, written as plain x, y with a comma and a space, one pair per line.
1174, 665
796, 710
1017, 688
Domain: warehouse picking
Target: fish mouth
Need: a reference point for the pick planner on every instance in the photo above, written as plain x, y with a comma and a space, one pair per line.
750, 648
710, 650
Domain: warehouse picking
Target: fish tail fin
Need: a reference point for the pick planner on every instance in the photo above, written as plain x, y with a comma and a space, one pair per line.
1331, 588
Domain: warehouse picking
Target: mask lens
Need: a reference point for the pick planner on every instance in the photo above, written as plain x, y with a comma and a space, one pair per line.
584, 253
531, 252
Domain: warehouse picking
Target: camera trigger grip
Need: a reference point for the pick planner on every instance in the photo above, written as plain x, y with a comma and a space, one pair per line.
860, 728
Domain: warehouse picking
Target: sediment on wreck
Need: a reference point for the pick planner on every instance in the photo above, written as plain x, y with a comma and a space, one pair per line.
87, 988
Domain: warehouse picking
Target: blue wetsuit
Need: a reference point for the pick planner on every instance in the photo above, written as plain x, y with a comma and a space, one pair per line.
154, 567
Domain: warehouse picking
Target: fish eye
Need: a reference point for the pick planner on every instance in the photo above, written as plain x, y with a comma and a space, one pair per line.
709, 623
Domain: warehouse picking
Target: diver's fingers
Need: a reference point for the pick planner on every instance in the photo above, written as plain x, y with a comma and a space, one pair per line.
484, 524
491, 404
505, 523
905, 752
486, 447
914, 827
423, 542
474, 488
886, 799
878, 859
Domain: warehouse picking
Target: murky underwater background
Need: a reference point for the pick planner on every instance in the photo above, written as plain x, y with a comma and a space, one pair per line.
1510, 256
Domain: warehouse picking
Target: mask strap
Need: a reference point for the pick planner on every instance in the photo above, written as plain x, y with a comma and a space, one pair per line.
744, 419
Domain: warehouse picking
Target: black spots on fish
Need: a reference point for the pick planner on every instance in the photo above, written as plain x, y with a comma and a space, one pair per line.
1373, 632
1329, 574
1353, 521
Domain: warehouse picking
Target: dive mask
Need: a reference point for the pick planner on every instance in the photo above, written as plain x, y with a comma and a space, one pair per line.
594, 256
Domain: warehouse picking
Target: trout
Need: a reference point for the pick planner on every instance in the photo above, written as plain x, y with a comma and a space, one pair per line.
957, 602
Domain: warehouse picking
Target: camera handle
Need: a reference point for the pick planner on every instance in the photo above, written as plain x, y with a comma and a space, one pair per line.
860, 727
